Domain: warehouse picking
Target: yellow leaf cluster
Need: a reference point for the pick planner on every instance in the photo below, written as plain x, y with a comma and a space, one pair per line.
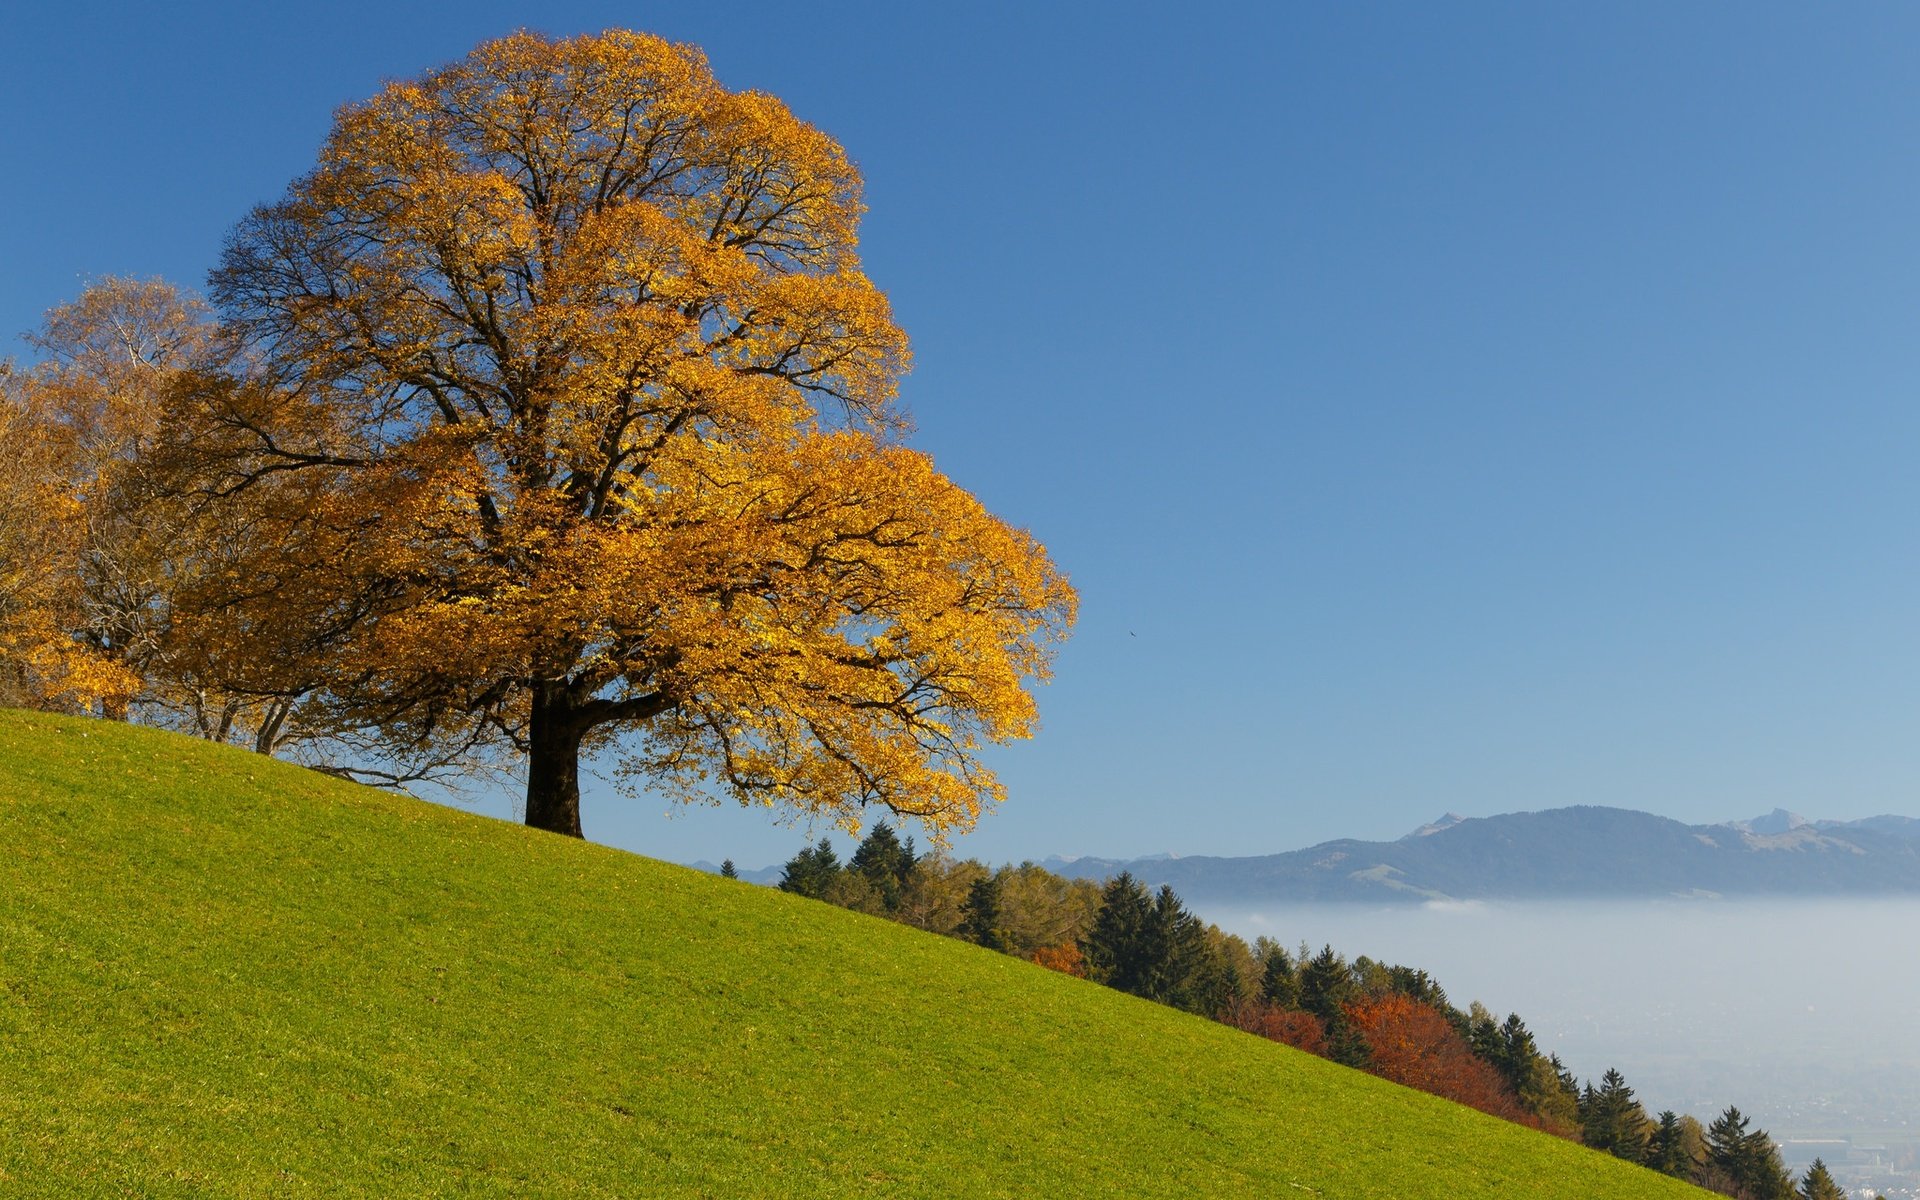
44, 660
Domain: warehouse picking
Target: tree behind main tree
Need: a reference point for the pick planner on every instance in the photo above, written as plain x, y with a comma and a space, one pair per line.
596, 416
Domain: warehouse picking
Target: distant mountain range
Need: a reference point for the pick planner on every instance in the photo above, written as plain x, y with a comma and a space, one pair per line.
767, 875
1579, 852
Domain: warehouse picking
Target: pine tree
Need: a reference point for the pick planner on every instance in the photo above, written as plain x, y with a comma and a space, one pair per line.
1416, 984
1326, 988
1568, 1084
1727, 1141
1818, 1184
1746, 1161
1508, 1048
1120, 949
1768, 1178
812, 871
981, 921
1666, 1150
1346, 1045
1615, 1122
727, 871
1516, 1052
1192, 976
1326, 984
885, 862
1483, 1034
1533, 1077
1279, 982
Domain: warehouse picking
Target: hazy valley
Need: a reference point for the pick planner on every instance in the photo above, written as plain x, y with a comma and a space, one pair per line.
1800, 1010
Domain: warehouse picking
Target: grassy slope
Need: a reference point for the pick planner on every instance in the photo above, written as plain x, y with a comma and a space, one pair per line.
224, 975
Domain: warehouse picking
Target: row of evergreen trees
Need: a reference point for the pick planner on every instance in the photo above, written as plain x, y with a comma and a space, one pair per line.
1395, 1021
1726, 1156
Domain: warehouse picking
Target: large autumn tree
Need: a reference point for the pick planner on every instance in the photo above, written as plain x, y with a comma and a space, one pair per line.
593, 419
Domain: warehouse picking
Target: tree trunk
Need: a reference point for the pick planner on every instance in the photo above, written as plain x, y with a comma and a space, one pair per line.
553, 761
267, 737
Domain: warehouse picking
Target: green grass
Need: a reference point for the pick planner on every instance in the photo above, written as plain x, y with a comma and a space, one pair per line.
226, 976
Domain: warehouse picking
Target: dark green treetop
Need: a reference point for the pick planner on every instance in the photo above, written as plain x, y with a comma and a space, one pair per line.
812, 871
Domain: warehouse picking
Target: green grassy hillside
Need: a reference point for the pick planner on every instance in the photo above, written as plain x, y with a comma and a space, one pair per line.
226, 976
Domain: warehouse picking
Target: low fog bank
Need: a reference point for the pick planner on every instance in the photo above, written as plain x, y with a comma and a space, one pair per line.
1801, 1012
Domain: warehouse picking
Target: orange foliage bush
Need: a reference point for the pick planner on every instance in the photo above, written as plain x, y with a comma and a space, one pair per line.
1301, 1030
1414, 1044
1065, 958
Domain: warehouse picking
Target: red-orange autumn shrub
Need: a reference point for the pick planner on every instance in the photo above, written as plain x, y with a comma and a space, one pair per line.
1301, 1030
1065, 958
1414, 1044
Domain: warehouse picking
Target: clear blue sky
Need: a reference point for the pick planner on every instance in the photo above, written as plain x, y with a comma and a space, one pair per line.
1473, 407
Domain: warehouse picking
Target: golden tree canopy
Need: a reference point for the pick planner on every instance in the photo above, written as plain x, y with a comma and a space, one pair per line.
86, 565
585, 419
42, 544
